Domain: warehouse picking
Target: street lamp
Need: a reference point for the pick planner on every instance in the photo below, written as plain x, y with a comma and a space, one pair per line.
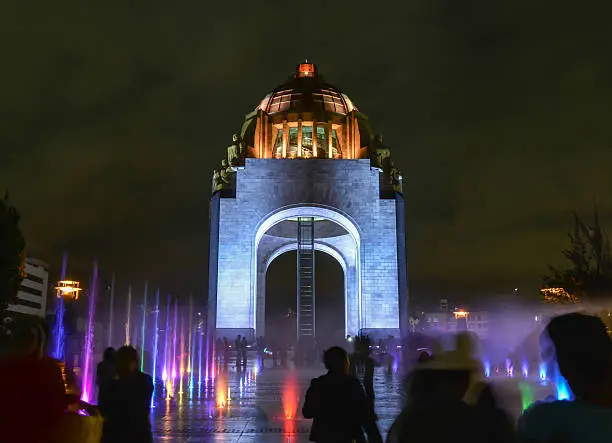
68, 289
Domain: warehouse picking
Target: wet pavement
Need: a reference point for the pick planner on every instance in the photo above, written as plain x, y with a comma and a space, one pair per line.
264, 406
255, 406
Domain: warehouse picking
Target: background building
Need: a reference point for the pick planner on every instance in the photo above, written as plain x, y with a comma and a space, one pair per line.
448, 322
32, 295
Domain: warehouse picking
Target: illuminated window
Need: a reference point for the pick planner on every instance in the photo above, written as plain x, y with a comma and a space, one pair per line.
321, 142
336, 151
278, 146
293, 142
306, 70
306, 141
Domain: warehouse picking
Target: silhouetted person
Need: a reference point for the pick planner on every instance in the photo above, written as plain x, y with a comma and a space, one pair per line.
423, 357
276, 354
435, 411
282, 355
583, 351
226, 351
261, 351
128, 403
237, 344
219, 349
337, 403
243, 351
105, 372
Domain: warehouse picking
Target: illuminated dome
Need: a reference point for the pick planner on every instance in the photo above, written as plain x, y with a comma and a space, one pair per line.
307, 92
305, 117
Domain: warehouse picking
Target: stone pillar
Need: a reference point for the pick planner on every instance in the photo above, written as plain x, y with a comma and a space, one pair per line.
355, 137
285, 138
402, 278
351, 302
260, 321
299, 141
346, 151
257, 142
329, 140
314, 138
267, 148
213, 264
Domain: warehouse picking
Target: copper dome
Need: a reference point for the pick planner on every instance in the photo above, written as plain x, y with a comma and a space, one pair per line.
307, 92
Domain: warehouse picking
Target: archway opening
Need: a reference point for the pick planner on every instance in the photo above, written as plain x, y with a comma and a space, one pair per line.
281, 299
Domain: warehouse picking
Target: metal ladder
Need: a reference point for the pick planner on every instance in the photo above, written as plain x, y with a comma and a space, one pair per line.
305, 283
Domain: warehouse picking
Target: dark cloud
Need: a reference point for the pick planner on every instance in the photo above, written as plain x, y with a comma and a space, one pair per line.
112, 117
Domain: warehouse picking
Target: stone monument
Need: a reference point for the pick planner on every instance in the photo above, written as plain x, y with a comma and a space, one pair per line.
306, 173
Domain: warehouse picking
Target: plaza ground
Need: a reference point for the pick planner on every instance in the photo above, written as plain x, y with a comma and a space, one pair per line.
256, 408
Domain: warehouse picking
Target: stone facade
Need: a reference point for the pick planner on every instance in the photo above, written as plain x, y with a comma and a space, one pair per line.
347, 192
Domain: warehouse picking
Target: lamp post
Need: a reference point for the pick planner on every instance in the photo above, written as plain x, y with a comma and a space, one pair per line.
66, 291
69, 290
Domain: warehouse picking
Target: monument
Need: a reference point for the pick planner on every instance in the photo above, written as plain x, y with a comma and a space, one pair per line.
306, 173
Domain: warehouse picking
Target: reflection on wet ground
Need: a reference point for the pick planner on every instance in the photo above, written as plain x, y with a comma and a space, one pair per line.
255, 406
265, 406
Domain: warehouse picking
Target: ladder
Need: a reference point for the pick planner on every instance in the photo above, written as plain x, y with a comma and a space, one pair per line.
305, 283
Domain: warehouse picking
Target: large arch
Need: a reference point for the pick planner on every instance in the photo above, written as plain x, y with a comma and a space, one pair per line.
350, 215
348, 254
310, 210
332, 252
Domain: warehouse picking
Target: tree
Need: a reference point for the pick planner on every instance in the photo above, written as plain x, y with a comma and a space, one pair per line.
12, 253
589, 276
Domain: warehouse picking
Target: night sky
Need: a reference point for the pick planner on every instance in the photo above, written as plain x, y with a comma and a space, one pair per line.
114, 114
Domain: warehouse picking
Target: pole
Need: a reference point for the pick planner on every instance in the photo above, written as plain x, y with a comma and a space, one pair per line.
59, 331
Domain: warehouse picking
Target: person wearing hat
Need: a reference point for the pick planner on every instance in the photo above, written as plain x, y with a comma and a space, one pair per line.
437, 390
583, 352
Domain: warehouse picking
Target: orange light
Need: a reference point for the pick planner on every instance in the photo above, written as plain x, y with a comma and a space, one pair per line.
461, 313
169, 389
222, 392
306, 70
67, 288
558, 295
290, 397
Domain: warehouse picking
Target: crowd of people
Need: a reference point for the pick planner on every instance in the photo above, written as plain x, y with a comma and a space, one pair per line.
447, 397
280, 354
448, 400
